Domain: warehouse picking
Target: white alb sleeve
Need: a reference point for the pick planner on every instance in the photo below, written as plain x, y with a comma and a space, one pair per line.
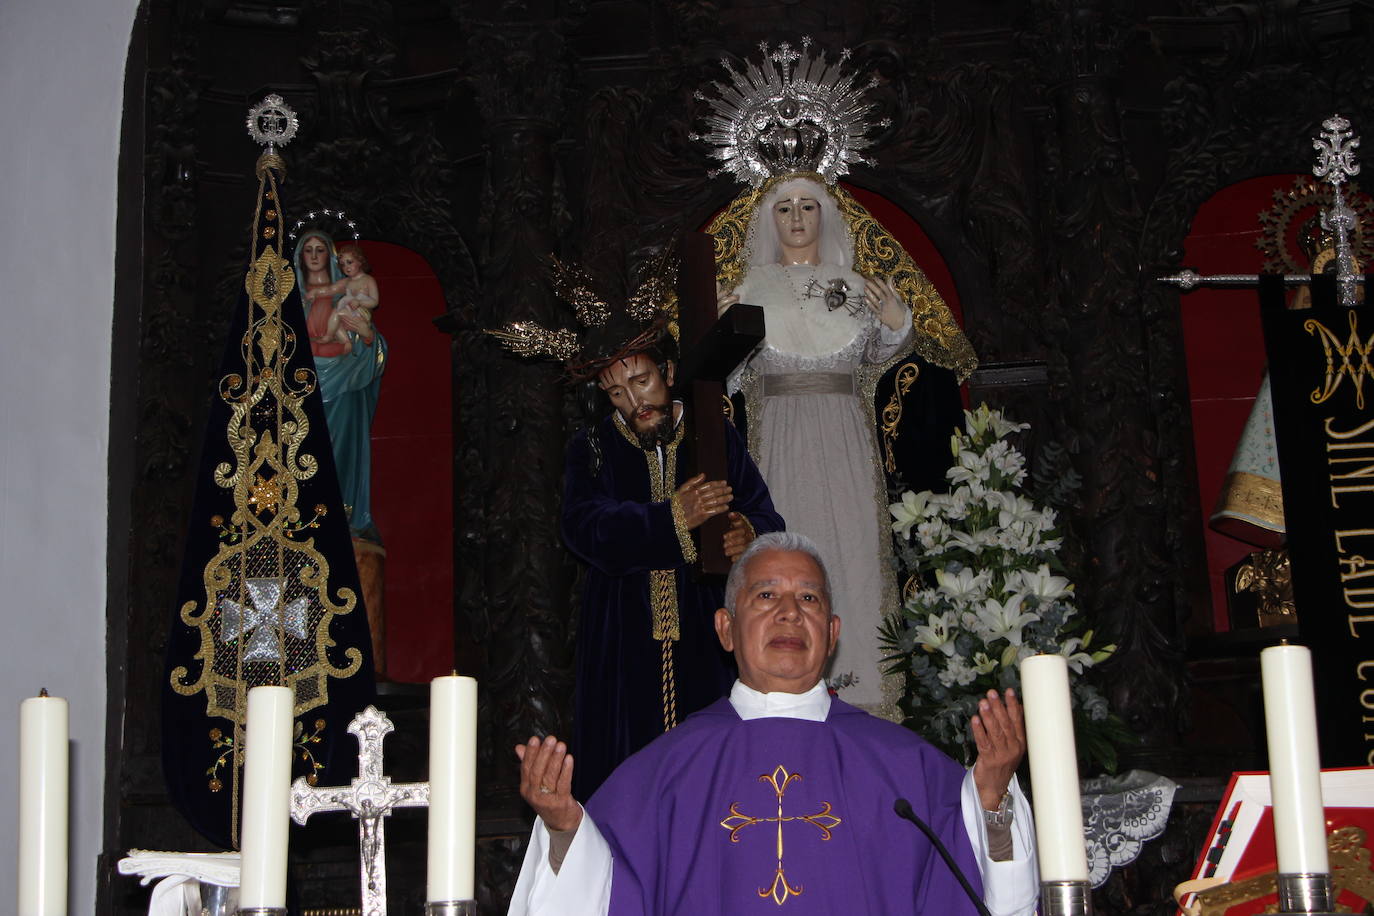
582, 886
1012, 887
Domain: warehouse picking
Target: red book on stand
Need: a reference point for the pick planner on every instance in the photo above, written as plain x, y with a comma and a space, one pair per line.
1240, 846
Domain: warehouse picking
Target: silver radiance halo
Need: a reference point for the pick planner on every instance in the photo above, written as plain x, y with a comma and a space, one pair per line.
795, 112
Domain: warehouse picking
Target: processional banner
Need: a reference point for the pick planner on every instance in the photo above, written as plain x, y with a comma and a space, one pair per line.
269, 591
1323, 387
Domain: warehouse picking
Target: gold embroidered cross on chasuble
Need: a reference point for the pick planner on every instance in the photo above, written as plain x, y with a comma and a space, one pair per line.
822, 820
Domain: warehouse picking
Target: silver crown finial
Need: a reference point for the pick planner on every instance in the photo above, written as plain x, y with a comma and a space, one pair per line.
793, 111
272, 123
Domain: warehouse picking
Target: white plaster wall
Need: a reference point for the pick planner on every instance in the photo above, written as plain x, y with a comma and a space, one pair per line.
61, 86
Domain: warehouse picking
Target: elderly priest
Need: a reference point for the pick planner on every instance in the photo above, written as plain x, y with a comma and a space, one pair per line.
780, 798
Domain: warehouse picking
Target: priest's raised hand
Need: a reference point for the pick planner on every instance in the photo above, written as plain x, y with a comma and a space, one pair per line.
999, 733
546, 782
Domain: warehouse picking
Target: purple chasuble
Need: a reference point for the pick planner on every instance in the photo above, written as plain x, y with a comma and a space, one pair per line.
693, 819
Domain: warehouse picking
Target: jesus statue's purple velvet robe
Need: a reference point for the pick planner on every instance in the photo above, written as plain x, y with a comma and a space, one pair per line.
783, 816
612, 522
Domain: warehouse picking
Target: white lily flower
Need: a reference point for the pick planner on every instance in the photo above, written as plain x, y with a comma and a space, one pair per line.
982, 664
908, 512
1002, 427
1043, 585
933, 533
1014, 508
1005, 620
934, 635
965, 585
977, 420
1077, 660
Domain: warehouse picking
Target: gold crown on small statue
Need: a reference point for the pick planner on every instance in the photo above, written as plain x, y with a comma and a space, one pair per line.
794, 112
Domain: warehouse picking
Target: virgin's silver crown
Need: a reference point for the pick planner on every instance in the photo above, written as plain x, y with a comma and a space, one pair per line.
794, 112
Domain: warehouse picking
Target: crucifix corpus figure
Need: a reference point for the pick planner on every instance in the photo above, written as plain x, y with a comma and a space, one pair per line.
369, 798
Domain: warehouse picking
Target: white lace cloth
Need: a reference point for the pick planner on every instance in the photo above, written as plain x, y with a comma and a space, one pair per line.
178, 892
1119, 814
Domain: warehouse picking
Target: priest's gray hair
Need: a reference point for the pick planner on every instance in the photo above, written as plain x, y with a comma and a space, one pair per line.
785, 541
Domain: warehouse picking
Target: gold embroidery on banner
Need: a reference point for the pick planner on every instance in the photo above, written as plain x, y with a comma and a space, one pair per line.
1353, 360
268, 601
892, 413
823, 820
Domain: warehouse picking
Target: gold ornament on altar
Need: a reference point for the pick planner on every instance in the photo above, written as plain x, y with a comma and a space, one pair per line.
1350, 871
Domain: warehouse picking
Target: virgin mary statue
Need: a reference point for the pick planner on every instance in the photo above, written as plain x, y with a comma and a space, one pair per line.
350, 377
856, 388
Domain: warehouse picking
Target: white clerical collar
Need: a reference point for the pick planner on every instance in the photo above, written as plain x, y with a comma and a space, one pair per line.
813, 705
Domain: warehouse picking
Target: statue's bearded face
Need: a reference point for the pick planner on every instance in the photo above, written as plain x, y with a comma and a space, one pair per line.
315, 254
640, 393
798, 221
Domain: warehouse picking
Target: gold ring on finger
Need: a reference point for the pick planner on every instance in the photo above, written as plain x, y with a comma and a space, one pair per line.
545, 790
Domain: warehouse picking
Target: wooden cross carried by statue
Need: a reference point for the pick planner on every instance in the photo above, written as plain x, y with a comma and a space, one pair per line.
712, 347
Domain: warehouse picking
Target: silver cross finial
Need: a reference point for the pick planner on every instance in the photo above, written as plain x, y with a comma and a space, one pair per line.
1335, 147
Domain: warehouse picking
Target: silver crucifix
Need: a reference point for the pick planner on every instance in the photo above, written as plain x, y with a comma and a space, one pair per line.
369, 798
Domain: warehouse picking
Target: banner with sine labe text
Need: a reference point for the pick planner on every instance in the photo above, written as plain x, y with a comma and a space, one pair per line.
1323, 385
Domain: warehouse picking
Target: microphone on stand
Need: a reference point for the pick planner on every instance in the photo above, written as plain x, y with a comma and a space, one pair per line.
903, 809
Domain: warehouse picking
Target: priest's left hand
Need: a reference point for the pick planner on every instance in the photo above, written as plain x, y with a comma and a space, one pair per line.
999, 732
546, 782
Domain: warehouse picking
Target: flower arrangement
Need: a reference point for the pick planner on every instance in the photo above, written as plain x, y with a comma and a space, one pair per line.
983, 592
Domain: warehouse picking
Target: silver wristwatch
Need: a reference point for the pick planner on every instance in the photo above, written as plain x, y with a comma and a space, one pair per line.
1002, 816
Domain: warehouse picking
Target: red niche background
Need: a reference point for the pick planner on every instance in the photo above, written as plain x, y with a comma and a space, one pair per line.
412, 465
1224, 345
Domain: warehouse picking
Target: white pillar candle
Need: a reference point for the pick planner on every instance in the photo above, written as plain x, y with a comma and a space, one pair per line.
1053, 769
266, 797
1290, 716
43, 778
452, 788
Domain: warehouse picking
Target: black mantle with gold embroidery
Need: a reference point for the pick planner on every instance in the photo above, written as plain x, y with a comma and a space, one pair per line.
269, 588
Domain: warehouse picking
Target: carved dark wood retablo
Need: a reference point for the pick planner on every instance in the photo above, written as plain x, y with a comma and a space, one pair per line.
1054, 150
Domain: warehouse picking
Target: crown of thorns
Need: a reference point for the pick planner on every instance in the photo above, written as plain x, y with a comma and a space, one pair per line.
649, 309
